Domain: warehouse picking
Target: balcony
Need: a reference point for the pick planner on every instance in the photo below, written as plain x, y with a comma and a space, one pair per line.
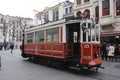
106, 20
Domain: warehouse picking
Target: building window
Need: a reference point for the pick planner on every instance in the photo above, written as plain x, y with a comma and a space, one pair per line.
97, 14
118, 8
55, 15
78, 2
86, 1
87, 14
52, 35
78, 14
105, 7
30, 37
66, 10
40, 36
70, 8
46, 18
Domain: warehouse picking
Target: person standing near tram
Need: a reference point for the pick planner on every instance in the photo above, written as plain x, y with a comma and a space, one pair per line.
111, 52
104, 51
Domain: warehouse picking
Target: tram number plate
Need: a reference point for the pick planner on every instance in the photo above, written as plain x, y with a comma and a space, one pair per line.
86, 46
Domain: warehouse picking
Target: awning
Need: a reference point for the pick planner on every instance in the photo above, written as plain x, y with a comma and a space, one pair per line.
107, 34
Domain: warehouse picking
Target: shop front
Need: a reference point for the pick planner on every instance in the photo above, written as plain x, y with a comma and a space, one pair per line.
111, 37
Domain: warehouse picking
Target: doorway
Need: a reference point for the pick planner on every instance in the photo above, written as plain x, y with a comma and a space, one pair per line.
73, 40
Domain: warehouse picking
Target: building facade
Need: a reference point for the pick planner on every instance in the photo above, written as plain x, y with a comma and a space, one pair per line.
110, 20
106, 13
13, 28
54, 13
1, 36
87, 9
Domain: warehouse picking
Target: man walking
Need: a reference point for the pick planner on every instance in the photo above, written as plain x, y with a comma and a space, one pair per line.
11, 47
104, 51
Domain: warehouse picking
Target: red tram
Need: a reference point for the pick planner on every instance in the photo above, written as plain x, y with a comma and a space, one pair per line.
72, 42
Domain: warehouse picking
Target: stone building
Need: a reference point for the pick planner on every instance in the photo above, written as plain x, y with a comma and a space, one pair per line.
110, 20
13, 28
1, 36
54, 13
106, 13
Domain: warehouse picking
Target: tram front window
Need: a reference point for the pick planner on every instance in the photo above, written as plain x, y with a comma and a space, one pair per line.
86, 32
90, 32
95, 33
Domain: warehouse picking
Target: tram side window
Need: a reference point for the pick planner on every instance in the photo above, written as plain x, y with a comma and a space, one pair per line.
40, 36
30, 37
52, 35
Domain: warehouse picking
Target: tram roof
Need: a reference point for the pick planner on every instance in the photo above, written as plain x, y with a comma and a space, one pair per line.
60, 22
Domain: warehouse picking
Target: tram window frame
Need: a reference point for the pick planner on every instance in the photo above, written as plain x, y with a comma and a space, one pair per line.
39, 36
52, 35
31, 39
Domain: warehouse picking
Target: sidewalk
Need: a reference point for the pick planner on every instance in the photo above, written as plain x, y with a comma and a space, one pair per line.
16, 52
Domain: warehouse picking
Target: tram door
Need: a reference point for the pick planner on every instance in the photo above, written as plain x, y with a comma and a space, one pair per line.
73, 40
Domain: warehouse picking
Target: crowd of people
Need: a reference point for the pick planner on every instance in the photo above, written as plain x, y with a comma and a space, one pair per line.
110, 52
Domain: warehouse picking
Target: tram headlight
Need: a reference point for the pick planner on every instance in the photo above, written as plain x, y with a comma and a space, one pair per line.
96, 54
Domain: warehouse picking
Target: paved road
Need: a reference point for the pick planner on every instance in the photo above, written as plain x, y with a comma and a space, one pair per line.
14, 67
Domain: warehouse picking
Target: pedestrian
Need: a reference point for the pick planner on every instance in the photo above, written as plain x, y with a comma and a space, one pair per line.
0, 63
117, 53
11, 47
101, 52
20, 47
104, 51
4, 46
111, 50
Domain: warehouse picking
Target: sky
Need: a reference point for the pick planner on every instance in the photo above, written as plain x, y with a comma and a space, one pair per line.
25, 8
